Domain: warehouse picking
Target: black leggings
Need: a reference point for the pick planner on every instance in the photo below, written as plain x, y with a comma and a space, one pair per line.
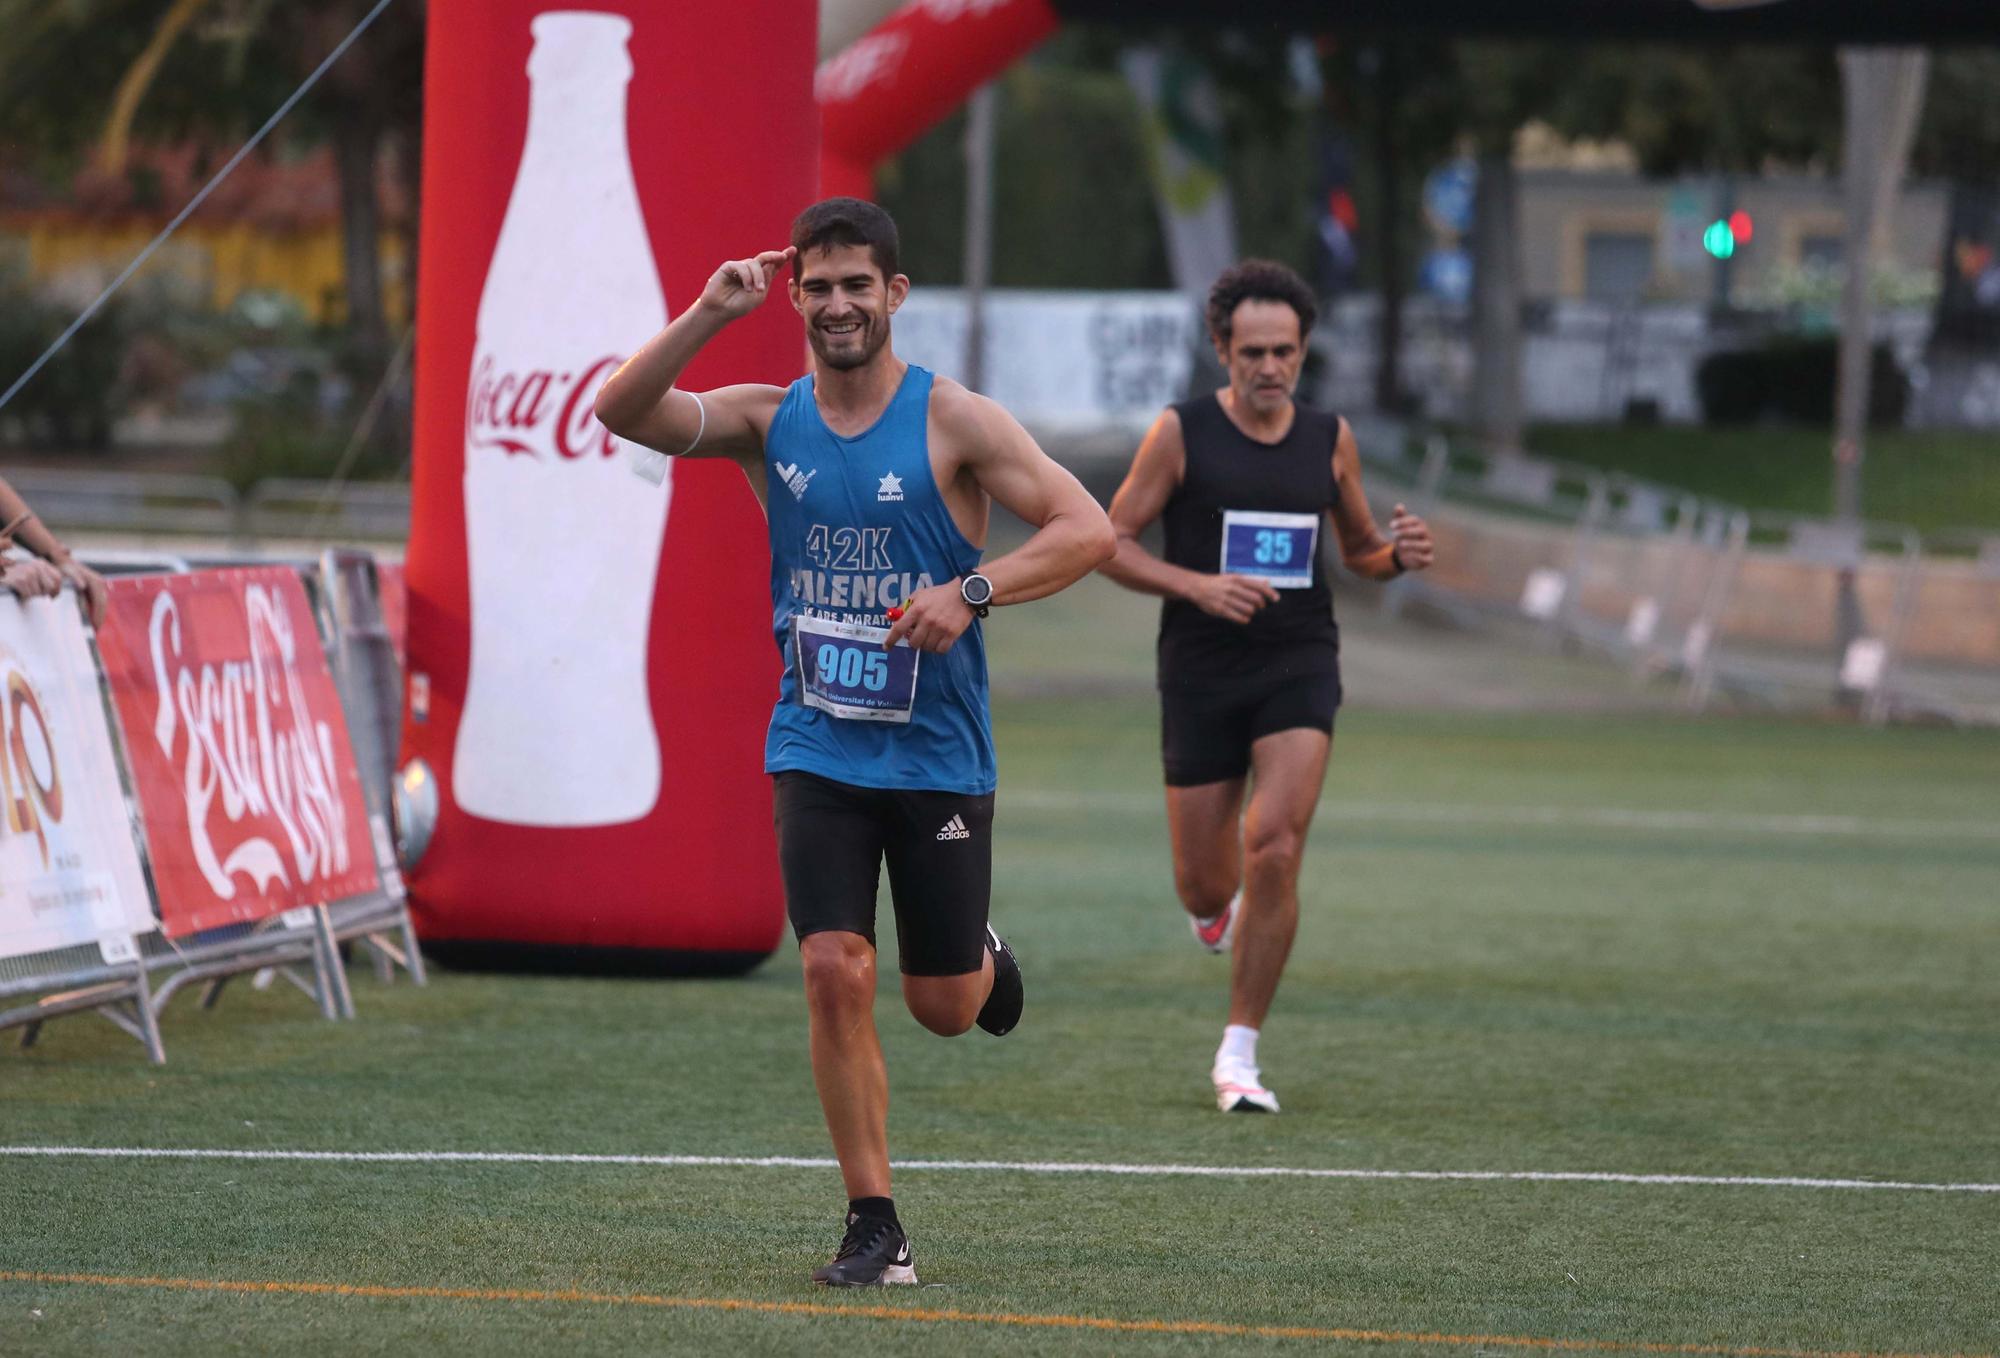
832, 839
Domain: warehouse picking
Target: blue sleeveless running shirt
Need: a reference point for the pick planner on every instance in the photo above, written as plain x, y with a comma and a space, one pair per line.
857, 526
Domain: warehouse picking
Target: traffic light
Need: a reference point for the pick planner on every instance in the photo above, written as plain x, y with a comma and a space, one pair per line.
1724, 234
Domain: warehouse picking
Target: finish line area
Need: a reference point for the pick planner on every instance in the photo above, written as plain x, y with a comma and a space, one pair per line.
995, 1167
1647, 1080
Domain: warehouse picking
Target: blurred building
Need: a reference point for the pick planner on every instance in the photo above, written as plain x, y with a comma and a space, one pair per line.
272, 226
1614, 237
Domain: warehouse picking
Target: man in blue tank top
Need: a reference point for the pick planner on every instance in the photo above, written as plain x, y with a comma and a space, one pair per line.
876, 479
1249, 658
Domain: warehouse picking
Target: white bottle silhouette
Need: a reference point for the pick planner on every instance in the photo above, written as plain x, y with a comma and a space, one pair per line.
562, 543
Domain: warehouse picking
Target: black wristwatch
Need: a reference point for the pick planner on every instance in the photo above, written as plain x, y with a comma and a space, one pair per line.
977, 591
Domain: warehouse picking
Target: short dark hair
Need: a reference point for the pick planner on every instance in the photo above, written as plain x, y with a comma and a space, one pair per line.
846, 221
1258, 280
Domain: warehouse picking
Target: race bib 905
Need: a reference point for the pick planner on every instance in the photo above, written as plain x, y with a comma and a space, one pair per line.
844, 670
1275, 548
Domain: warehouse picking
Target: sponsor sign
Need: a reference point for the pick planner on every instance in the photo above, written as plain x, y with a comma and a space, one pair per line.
589, 659
1063, 361
237, 745
69, 870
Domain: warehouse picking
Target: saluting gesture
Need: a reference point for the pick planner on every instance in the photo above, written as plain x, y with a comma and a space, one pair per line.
740, 285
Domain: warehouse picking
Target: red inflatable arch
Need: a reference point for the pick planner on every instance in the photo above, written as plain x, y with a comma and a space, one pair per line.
590, 662
910, 70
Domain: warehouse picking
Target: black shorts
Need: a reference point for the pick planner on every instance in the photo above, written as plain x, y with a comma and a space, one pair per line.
1206, 733
832, 838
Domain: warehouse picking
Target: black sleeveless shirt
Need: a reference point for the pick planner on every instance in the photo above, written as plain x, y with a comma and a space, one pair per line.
1229, 470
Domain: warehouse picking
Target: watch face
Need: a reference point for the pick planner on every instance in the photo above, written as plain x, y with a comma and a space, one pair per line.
977, 589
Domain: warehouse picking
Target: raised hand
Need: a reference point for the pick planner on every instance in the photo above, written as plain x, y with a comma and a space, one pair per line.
1412, 536
740, 285
1235, 598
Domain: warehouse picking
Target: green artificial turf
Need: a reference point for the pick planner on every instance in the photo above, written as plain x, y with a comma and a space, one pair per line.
1781, 963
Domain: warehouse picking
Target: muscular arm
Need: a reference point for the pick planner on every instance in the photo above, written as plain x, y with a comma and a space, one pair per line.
1072, 536
1364, 549
1156, 473
640, 402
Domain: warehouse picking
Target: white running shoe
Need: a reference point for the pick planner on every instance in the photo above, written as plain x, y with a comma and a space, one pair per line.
1239, 1088
1214, 934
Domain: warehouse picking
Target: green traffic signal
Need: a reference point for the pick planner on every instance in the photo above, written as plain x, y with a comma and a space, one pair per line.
1719, 240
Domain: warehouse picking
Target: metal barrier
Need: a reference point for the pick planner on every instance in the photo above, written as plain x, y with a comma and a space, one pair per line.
366, 671
80, 980
208, 506
131, 985
358, 510
1742, 608
1943, 659
118, 501
1813, 615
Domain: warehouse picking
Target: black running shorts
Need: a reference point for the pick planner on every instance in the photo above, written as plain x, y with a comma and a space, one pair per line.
1206, 732
832, 839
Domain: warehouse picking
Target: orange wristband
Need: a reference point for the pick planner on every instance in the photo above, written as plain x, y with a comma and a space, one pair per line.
1373, 562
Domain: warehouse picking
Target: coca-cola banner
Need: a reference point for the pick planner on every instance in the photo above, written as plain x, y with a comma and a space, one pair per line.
887, 88
237, 746
590, 667
69, 870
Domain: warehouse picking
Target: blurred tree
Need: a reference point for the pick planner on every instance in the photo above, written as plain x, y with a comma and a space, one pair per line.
1959, 141
211, 71
1073, 208
1739, 109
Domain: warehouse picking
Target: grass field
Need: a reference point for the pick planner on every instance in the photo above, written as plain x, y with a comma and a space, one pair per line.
1930, 479
1532, 942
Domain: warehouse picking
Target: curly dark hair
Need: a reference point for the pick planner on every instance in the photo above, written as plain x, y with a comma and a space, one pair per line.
1258, 280
847, 221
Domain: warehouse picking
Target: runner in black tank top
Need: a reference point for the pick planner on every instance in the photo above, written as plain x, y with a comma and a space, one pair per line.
1243, 482
1227, 470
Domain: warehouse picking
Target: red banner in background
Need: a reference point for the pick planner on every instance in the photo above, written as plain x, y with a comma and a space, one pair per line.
238, 749
892, 84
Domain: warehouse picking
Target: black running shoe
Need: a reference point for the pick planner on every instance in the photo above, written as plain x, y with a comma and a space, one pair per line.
873, 1253
1002, 1009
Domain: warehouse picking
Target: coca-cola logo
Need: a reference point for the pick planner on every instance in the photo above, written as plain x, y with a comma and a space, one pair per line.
875, 57
537, 412
950, 11
251, 742
31, 797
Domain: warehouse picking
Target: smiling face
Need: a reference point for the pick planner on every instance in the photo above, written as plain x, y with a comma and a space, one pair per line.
1263, 355
846, 303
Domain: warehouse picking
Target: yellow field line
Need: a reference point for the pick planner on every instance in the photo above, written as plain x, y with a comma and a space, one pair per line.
946, 1316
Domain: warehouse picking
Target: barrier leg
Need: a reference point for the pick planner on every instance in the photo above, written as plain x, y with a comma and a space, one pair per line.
339, 996
149, 1020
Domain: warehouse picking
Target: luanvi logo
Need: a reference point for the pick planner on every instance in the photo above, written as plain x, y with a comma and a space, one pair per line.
795, 480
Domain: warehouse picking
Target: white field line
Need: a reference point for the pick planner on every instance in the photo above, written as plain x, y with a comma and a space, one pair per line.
1556, 817
982, 1167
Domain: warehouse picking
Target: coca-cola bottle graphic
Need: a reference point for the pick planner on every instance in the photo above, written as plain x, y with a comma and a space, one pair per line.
562, 543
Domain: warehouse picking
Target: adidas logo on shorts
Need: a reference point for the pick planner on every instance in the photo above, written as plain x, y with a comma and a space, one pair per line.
955, 829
